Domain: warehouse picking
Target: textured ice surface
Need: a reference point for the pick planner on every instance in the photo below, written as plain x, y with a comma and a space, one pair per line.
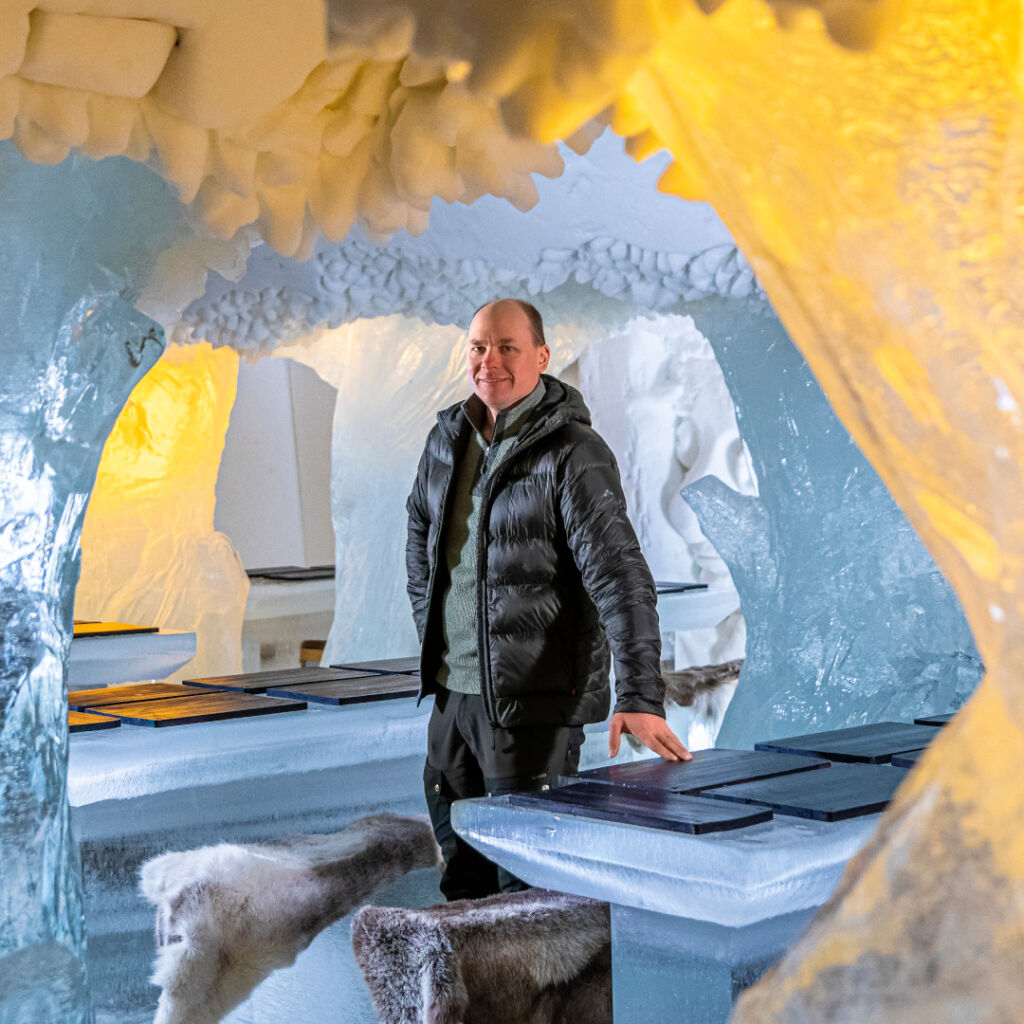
659, 399
849, 619
732, 878
601, 245
75, 242
150, 553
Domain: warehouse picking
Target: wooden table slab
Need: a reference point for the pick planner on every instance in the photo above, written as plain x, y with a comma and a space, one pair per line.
203, 707
386, 666
862, 744
79, 721
83, 628
667, 811
79, 700
907, 759
259, 682
359, 690
835, 794
708, 768
934, 719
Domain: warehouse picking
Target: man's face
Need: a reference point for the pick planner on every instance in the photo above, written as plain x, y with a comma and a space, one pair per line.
503, 362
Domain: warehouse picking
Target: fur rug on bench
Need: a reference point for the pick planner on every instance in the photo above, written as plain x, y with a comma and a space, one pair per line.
533, 957
228, 915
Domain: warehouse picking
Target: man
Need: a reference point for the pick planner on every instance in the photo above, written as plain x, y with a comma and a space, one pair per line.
521, 561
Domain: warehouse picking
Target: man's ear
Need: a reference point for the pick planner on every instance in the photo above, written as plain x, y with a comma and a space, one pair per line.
544, 358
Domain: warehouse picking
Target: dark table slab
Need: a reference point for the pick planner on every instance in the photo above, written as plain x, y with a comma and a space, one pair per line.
835, 794
259, 682
708, 768
297, 575
863, 744
935, 719
358, 690
386, 666
907, 759
79, 721
83, 628
202, 707
101, 696
667, 811
670, 587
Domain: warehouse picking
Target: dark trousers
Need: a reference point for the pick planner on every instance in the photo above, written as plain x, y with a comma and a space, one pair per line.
467, 758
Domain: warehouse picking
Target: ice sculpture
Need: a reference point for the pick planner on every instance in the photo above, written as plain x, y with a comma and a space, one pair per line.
149, 550
78, 242
659, 399
849, 619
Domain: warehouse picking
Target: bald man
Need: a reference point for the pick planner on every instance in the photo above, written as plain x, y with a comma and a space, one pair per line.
523, 568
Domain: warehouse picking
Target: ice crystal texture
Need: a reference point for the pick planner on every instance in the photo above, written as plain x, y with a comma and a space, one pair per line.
76, 242
849, 619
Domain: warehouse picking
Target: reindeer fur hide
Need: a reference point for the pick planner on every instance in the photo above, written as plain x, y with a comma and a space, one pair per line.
702, 687
229, 915
533, 957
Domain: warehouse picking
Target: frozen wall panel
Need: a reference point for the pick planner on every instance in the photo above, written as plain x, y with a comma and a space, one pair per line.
849, 619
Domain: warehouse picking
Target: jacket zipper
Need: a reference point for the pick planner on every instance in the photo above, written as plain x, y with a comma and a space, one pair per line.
483, 637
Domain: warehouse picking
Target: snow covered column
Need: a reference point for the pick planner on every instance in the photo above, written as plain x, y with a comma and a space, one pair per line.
74, 242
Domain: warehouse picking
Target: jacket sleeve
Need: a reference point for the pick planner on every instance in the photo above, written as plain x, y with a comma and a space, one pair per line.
417, 563
614, 571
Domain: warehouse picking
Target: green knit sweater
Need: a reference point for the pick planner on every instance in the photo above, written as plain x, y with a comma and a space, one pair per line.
460, 665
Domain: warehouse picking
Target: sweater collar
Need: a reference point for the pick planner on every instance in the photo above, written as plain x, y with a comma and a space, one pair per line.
509, 421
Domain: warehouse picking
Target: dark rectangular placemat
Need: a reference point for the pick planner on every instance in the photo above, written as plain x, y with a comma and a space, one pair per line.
386, 666
352, 691
103, 695
934, 720
839, 792
258, 682
83, 628
79, 721
667, 811
298, 575
864, 744
708, 768
203, 707
907, 759
668, 587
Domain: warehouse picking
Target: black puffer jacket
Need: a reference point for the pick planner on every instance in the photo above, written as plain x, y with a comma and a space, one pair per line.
559, 569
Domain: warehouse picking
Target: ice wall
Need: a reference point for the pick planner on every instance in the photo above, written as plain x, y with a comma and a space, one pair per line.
150, 553
849, 619
393, 374
76, 243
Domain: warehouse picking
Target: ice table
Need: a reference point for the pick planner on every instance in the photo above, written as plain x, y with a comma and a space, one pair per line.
695, 609
695, 918
137, 792
279, 615
128, 658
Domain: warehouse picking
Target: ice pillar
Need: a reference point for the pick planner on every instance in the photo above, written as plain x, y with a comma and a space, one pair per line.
75, 242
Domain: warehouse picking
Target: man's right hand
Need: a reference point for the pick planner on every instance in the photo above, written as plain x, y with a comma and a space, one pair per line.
651, 730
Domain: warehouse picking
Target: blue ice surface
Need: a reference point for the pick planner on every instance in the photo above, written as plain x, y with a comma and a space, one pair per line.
77, 241
849, 620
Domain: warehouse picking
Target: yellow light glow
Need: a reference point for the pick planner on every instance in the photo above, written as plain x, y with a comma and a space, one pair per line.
149, 550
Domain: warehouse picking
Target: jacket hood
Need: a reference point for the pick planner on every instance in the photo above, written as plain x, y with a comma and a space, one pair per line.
561, 404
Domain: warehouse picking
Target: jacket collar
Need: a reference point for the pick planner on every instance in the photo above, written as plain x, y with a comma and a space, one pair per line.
561, 404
